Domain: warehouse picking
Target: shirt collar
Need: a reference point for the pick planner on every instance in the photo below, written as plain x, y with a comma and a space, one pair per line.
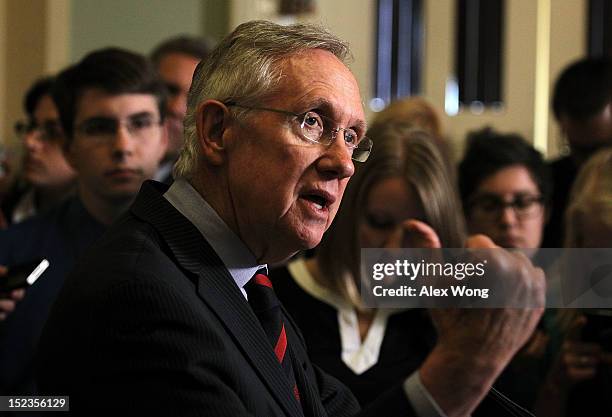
236, 257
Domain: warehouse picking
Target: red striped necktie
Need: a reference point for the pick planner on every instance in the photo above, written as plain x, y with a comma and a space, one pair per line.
267, 308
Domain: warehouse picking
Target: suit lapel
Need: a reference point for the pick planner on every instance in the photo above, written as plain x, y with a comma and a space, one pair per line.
216, 288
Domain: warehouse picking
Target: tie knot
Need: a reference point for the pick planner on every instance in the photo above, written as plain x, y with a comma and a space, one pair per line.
261, 294
261, 279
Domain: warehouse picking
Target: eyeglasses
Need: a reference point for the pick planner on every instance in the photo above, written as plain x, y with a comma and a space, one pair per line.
317, 128
49, 131
524, 206
140, 126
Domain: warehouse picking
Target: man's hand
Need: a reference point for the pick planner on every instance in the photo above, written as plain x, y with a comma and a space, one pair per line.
474, 345
8, 301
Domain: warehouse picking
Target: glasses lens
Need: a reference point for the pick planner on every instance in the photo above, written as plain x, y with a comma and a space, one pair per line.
492, 206
140, 125
363, 149
488, 205
99, 127
351, 138
527, 206
312, 127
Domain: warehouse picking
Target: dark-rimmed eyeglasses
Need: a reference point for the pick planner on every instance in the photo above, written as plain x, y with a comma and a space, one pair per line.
49, 131
139, 126
525, 206
316, 128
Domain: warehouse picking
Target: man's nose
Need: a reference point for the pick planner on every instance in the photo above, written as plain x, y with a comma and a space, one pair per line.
122, 143
336, 161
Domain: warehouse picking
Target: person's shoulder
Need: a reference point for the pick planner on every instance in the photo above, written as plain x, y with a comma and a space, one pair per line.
37, 223
130, 244
26, 238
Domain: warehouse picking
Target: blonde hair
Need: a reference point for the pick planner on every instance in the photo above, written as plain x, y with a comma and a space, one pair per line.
591, 196
398, 150
415, 111
245, 68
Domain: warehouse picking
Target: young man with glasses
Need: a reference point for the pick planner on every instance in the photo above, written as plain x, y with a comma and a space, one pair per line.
111, 107
172, 315
46, 177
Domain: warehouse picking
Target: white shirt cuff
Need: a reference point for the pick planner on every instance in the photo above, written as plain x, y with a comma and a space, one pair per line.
421, 400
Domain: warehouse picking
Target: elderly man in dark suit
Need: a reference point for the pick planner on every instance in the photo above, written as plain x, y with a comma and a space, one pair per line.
172, 314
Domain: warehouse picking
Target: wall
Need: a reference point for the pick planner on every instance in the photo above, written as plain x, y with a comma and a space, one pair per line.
24, 33
568, 43
42, 36
138, 25
544, 34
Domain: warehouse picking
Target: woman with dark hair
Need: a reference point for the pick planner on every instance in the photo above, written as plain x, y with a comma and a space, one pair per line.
505, 189
403, 188
46, 177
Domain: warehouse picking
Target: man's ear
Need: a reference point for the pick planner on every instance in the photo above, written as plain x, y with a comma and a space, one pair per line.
212, 119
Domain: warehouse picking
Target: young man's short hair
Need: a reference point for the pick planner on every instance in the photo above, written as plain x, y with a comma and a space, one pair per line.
112, 70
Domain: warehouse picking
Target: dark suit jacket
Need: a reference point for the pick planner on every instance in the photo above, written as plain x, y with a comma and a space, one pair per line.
152, 322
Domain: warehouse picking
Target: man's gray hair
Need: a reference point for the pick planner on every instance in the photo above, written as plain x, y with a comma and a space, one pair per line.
244, 68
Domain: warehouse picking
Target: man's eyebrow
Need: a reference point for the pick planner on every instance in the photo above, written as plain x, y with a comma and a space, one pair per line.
361, 125
330, 111
141, 114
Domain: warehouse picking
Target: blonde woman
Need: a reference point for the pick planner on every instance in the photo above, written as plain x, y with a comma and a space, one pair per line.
581, 380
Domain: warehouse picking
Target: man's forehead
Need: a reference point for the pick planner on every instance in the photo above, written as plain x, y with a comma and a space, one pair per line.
95, 100
317, 79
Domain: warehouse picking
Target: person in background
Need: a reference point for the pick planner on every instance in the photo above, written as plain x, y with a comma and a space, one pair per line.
111, 107
580, 382
420, 114
505, 189
582, 104
46, 177
175, 60
404, 187
414, 111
